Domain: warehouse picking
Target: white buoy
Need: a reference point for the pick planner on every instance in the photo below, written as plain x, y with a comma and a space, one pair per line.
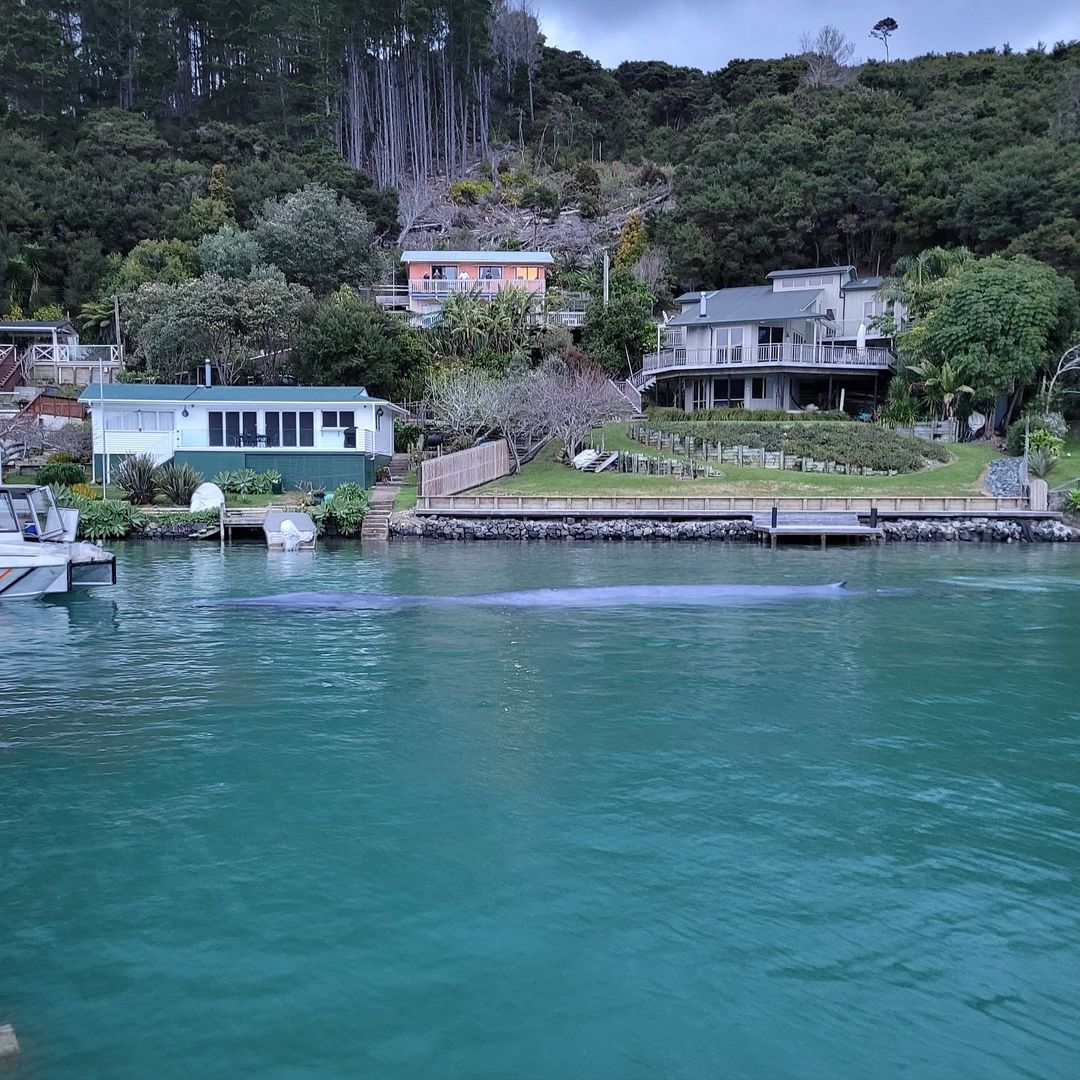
9, 1044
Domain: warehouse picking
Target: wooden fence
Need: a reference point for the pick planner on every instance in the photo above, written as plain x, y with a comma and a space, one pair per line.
451, 473
716, 506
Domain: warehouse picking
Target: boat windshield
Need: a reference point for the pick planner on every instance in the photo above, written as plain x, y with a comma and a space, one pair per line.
8, 521
36, 513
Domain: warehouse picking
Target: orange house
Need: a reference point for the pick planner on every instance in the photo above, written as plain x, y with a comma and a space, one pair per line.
434, 275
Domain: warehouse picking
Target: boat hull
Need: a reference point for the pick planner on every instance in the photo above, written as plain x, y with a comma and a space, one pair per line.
27, 577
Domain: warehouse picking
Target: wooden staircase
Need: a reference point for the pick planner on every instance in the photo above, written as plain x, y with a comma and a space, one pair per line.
10, 369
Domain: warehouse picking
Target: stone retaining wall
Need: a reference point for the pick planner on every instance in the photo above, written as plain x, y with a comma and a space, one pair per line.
971, 530
169, 530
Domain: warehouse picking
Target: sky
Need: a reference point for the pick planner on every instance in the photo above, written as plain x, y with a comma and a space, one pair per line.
709, 33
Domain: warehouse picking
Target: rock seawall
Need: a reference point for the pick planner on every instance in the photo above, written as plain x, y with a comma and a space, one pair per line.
169, 530
970, 530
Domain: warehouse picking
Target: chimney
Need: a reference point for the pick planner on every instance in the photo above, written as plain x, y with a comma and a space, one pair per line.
703, 305
206, 372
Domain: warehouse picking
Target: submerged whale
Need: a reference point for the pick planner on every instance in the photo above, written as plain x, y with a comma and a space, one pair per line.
581, 597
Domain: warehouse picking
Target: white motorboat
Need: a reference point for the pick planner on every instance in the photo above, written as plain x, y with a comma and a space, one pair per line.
31, 521
28, 571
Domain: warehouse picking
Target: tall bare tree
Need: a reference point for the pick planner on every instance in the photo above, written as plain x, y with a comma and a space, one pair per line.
828, 57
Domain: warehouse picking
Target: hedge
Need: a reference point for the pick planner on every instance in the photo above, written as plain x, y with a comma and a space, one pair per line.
865, 446
668, 414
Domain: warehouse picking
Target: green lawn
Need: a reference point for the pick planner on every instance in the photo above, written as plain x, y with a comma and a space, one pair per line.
545, 476
1066, 473
406, 497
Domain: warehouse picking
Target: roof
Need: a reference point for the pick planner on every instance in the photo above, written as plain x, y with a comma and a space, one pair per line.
32, 326
521, 258
813, 270
751, 303
865, 283
207, 395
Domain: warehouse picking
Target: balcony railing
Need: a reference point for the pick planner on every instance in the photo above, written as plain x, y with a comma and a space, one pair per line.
71, 364
789, 353
434, 289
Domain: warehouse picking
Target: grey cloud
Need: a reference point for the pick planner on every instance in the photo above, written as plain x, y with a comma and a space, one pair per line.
708, 35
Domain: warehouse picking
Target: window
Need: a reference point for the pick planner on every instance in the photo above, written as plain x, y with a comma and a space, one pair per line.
813, 281
528, 273
729, 340
491, 273
342, 419
138, 420
292, 428
728, 393
698, 394
444, 272
757, 388
770, 335
871, 308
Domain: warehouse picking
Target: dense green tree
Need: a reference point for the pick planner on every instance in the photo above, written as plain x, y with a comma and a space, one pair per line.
996, 323
352, 342
231, 253
616, 336
319, 239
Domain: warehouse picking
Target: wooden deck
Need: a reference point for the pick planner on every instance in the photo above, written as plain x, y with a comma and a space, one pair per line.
776, 524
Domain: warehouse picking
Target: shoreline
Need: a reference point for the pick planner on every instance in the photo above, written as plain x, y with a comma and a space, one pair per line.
1004, 530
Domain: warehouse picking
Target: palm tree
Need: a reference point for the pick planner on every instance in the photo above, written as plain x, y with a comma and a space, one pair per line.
922, 278
942, 385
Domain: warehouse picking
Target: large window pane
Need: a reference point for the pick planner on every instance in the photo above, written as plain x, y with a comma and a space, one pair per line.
273, 429
232, 429
288, 429
217, 429
307, 428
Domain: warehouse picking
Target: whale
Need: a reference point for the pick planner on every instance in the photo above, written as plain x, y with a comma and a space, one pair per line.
583, 597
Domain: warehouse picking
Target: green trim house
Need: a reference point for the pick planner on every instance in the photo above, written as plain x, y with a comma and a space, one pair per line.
323, 435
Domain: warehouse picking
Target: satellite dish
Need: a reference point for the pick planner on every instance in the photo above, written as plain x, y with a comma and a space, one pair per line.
207, 497
976, 421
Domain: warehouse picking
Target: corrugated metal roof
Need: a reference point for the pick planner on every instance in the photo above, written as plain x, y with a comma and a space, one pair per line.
255, 395
865, 283
751, 303
522, 258
813, 270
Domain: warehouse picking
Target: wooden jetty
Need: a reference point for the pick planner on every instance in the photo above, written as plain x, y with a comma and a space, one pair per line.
775, 525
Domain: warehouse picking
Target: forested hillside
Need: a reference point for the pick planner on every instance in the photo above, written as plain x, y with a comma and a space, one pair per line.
113, 116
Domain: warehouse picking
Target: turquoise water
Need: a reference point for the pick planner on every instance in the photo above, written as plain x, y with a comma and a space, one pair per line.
815, 839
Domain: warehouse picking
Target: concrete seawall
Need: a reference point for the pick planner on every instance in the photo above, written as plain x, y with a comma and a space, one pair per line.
970, 530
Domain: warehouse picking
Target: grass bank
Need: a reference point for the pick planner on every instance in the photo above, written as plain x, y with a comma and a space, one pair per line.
546, 476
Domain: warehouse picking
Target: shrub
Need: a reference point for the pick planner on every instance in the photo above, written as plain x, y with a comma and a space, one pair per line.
177, 482
1050, 425
99, 519
58, 456
87, 491
242, 482
345, 510
864, 446
469, 192
1041, 460
62, 472
137, 479
538, 195
1044, 439
406, 435
1072, 501
655, 412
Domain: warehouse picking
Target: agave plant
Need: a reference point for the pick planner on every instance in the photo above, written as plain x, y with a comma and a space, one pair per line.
137, 479
177, 482
1041, 460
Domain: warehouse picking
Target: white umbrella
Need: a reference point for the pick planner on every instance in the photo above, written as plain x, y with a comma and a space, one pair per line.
860, 338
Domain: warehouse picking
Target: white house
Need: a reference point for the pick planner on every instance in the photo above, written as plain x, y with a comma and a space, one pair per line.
808, 337
321, 434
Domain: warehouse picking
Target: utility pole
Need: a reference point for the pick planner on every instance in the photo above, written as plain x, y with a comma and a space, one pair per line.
607, 276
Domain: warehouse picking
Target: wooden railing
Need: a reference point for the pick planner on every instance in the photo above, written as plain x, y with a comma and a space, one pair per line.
451, 473
55, 405
711, 505
10, 369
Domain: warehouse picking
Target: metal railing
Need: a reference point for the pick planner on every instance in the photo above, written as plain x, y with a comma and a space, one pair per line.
799, 355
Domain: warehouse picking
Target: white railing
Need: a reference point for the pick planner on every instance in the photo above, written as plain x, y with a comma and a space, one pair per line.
158, 445
434, 289
77, 365
818, 356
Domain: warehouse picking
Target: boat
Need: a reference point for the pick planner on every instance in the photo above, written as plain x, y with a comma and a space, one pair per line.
31, 520
28, 571
289, 530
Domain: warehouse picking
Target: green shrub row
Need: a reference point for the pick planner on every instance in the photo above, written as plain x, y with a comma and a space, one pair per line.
248, 481
61, 472
667, 414
99, 519
865, 446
